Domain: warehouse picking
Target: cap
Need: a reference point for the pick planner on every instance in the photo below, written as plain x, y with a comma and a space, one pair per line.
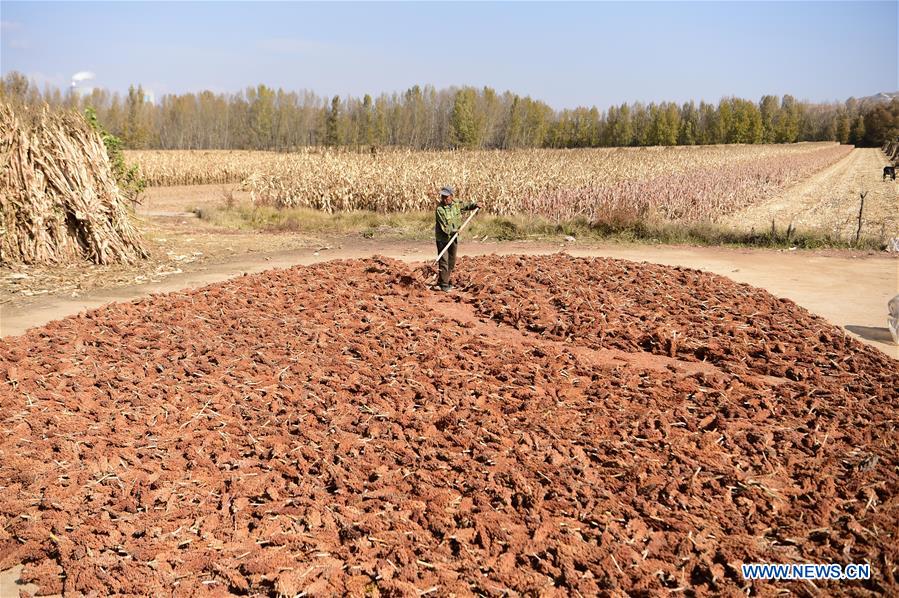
447, 191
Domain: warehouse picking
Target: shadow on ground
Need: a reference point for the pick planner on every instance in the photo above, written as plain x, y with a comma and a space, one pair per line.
871, 333
11, 583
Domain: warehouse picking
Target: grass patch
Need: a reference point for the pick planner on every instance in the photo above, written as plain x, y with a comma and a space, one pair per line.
709, 234
420, 226
305, 220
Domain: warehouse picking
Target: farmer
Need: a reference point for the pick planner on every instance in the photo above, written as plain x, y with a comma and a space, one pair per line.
448, 220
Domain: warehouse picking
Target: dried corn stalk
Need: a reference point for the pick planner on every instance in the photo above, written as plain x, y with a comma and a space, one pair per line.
696, 183
59, 201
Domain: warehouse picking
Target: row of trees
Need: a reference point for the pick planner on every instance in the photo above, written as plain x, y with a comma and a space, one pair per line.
427, 118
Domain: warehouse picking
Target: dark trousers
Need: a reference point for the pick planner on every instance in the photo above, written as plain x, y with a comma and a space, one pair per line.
448, 261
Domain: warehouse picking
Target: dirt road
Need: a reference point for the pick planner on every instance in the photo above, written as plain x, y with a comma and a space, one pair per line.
848, 290
829, 201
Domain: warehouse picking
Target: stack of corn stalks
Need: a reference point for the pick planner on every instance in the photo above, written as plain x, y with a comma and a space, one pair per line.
59, 201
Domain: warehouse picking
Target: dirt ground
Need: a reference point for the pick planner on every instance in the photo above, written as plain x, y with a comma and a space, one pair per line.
830, 200
556, 425
178, 242
187, 198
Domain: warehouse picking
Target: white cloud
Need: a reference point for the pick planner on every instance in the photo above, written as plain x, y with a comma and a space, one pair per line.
19, 44
9, 26
82, 76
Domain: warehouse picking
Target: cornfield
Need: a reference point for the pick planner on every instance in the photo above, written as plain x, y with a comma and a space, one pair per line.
686, 183
165, 168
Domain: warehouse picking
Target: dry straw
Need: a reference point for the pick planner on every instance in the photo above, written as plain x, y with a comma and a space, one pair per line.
59, 201
599, 185
891, 149
697, 183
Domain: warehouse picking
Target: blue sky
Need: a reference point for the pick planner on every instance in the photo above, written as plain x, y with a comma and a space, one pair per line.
567, 54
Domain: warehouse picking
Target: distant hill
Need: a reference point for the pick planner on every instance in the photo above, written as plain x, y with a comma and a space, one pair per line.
883, 96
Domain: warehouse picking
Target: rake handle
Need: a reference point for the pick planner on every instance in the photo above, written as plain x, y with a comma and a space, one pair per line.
453, 239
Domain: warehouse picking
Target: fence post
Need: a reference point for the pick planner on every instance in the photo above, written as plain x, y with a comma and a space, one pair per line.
861, 208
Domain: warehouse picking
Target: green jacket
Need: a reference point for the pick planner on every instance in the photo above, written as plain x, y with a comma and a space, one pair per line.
449, 218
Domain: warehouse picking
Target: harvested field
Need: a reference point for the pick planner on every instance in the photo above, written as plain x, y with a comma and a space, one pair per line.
689, 183
557, 425
829, 201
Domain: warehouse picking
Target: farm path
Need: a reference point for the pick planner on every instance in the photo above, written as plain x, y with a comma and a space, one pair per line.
848, 289
829, 201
